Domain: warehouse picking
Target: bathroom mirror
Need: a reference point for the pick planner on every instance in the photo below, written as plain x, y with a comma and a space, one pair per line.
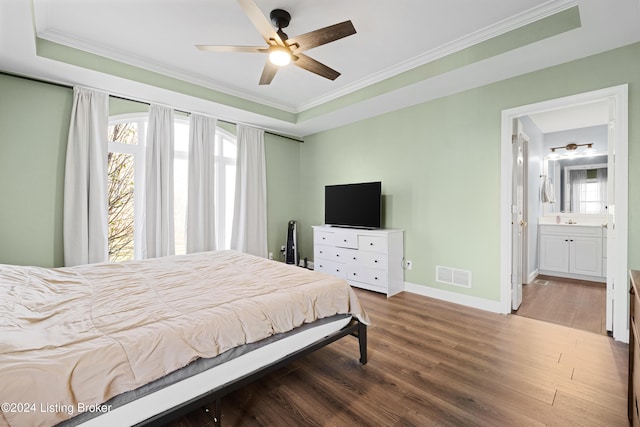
578, 185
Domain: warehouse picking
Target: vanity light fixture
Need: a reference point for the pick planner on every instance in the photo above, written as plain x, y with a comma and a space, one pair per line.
573, 146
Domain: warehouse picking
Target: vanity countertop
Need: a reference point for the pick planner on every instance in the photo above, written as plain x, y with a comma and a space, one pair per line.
574, 224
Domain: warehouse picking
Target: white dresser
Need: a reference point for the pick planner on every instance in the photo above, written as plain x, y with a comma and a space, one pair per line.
368, 259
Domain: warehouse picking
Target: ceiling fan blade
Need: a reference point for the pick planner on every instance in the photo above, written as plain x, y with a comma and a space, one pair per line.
245, 49
322, 36
261, 22
268, 73
310, 64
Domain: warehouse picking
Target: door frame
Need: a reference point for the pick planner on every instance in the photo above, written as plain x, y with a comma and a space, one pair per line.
619, 96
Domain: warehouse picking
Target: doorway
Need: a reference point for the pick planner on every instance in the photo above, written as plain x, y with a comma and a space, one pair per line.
578, 304
616, 242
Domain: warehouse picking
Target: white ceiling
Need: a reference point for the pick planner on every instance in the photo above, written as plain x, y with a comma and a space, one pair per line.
576, 117
392, 37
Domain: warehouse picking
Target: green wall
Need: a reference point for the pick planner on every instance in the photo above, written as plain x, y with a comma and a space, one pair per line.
34, 123
439, 163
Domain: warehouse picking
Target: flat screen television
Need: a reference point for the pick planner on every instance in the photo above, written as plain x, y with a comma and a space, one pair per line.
353, 205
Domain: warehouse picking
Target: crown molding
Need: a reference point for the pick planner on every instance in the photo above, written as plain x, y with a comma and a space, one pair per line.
517, 21
65, 39
537, 13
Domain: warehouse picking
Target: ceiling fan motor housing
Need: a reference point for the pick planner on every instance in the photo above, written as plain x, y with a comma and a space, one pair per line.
280, 18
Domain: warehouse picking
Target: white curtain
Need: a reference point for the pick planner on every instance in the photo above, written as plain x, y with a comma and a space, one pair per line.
85, 232
159, 238
249, 231
578, 185
588, 195
602, 189
200, 201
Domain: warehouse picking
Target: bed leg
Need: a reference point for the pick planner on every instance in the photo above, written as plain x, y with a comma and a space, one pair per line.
217, 412
217, 418
362, 340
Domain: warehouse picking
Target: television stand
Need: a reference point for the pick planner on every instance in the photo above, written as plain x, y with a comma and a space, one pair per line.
368, 259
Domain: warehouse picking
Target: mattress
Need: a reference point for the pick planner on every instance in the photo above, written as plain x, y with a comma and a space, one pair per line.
76, 337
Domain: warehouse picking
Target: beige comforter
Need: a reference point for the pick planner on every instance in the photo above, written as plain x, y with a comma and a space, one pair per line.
75, 337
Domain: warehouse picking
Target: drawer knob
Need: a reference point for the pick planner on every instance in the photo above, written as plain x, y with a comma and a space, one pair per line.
375, 278
354, 274
375, 261
371, 244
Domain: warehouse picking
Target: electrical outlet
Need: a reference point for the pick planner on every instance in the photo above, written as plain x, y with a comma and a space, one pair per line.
283, 248
408, 265
270, 255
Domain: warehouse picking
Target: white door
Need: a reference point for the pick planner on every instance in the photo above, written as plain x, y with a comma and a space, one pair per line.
518, 211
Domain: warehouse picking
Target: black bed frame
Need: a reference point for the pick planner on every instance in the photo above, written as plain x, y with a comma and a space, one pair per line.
355, 328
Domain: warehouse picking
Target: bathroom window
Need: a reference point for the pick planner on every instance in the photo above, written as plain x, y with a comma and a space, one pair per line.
587, 190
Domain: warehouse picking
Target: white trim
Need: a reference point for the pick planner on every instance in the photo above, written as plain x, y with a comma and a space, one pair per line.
65, 39
456, 298
619, 95
534, 14
532, 276
537, 13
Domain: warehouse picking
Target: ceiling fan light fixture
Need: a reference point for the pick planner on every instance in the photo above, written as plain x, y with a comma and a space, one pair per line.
279, 56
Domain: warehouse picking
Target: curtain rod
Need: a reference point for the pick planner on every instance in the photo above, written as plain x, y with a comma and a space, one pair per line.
33, 79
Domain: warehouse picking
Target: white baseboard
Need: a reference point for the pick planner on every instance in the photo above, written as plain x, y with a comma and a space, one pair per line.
532, 276
454, 297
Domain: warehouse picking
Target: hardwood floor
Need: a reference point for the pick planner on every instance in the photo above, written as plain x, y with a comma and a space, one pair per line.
574, 303
435, 363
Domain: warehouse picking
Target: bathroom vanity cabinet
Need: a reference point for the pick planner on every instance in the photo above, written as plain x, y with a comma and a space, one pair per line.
573, 251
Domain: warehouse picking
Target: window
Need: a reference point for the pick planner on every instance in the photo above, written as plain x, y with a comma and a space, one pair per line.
127, 136
125, 175
587, 189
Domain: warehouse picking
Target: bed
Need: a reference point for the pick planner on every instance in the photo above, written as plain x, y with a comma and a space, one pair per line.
142, 342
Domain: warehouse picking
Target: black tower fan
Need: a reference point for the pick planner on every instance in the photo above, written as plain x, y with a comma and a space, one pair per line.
291, 251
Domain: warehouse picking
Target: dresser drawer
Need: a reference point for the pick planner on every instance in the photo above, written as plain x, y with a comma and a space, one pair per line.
323, 252
367, 275
369, 286
345, 239
321, 237
373, 243
331, 267
368, 259
332, 253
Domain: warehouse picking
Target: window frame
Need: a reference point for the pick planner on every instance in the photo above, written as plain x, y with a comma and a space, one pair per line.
138, 153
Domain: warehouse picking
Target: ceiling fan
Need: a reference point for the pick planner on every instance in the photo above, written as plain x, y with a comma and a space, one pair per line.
281, 48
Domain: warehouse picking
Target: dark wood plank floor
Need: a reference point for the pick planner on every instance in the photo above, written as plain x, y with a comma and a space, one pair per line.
574, 303
434, 363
